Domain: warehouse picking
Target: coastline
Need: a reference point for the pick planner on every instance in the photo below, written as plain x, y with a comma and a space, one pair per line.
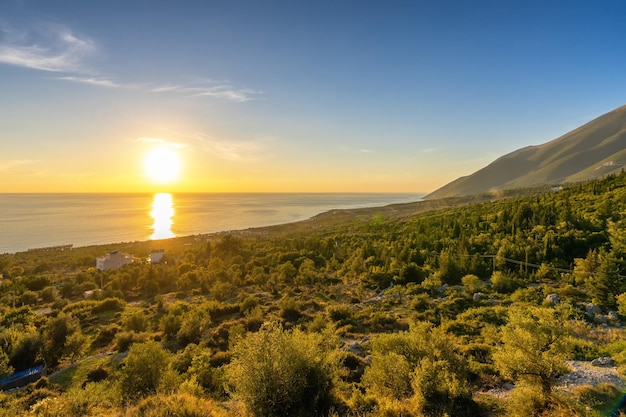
86, 220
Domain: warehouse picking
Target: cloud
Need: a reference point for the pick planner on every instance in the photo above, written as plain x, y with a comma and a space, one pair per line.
99, 82
165, 88
241, 151
366, 150
52, 48
227, 92
219, 91
209, 88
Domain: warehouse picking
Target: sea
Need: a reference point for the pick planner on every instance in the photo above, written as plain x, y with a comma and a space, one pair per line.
32, 221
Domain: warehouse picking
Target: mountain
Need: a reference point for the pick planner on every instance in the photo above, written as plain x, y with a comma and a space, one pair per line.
593, 150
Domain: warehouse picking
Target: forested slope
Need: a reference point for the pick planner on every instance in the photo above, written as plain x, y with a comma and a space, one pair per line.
377, 312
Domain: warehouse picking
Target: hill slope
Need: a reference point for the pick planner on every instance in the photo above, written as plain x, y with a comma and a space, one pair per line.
591, 151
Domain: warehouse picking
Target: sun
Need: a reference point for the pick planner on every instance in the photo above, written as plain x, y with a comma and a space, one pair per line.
162, 165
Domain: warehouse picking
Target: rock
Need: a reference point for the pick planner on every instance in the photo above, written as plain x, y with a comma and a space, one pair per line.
553, 298
612, 316
478, 296
591, 309
356, 348
603, 362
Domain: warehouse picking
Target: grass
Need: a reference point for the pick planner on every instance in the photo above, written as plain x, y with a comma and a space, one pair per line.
76, 373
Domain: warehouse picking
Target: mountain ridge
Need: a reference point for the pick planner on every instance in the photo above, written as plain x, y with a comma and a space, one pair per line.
593, 150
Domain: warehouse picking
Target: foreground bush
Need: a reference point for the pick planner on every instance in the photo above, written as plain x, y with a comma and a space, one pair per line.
276, 372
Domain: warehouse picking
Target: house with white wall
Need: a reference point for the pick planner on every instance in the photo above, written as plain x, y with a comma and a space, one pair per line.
113, 260
156, 255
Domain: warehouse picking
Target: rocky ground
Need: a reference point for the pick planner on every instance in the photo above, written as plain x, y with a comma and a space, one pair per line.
582, 373
591, 373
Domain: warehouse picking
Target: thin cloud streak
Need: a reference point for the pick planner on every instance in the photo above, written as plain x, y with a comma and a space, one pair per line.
225, 91
236, 151
99, 82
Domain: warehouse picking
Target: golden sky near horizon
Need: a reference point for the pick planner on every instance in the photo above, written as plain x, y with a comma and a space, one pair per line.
314, 97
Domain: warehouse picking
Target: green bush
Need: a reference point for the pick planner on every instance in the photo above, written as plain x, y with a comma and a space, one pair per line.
276, 372
598, 395
143, 368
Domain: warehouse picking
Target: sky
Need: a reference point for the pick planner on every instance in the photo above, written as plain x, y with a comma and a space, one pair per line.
294, 96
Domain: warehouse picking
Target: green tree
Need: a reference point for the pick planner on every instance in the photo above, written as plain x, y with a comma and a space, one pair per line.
56, 333
194, 325
136, 321
534, 348
422, 363
278, 372
143, 368
606, 283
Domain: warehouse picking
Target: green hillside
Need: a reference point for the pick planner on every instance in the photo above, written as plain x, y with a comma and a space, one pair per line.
453, 307
592, 151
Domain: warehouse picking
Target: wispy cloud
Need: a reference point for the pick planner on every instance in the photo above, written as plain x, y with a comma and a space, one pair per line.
366, 151
231, 150
55, 48
219, 91
165, 88
430, 150
52, 48
99, 82
227, 92
209, 88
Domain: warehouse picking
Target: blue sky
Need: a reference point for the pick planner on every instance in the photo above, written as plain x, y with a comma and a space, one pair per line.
294, 96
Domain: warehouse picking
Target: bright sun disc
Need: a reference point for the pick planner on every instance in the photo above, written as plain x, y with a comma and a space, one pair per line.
162, 165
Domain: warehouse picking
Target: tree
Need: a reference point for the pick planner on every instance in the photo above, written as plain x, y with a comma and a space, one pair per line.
143, 368
194, 325
278, 372
534, 348
404, 364
606, 283
55, 335
472, 283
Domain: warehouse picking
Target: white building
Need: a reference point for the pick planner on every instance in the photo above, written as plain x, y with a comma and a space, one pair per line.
113, 260
156, 256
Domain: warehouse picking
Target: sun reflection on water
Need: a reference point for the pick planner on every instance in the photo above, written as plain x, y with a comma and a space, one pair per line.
162, 213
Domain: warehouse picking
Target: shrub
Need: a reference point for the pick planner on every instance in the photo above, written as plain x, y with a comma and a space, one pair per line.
422, 362
277, 372
109, 304
124, 340
599, 395
144, 366
137, 321
533, 350
504, 283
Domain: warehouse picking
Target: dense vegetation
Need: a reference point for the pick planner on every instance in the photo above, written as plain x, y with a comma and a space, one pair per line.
377, 314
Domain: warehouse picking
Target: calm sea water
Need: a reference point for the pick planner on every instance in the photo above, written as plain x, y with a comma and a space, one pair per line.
39, 220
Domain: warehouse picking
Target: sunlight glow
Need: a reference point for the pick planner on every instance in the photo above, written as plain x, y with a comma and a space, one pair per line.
162, 165
162, 213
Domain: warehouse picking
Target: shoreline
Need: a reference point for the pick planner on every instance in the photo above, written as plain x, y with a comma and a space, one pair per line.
266, 222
